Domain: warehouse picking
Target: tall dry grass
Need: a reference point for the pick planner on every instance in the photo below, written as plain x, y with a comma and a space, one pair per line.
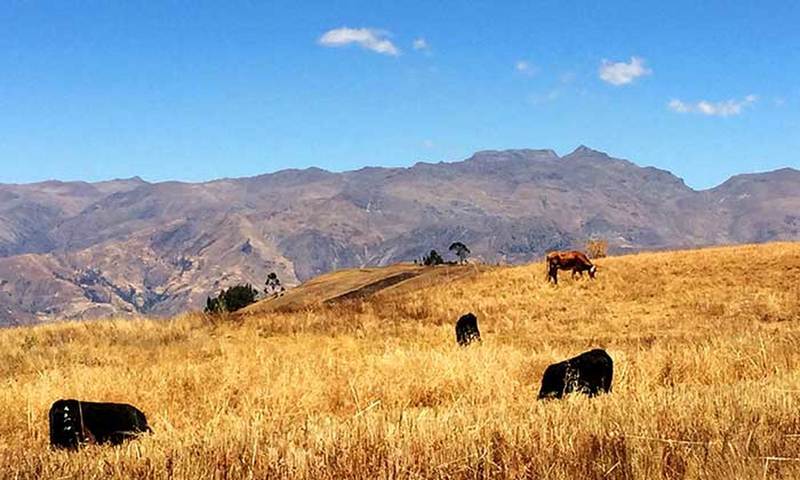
706, 347
597, 248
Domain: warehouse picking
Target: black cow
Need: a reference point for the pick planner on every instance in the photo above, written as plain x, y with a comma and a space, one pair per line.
467, 330
74, 423
590, 373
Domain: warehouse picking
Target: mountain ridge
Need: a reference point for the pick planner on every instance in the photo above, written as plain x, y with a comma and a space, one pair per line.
131, 247
581, 149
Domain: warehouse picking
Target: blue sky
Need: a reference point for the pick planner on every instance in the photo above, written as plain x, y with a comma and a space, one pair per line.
194, 90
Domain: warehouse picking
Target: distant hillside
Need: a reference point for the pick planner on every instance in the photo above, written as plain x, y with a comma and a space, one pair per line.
128, 247
359, 284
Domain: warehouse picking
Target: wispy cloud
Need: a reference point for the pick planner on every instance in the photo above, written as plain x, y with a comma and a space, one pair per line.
725, 108
621, 73
367, 38
545, 97
567, 78
525, 67
421, 44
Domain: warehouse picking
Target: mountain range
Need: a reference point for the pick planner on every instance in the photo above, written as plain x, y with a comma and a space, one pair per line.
77, 250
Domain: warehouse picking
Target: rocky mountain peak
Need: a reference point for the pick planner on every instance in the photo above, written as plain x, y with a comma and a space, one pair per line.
584, 151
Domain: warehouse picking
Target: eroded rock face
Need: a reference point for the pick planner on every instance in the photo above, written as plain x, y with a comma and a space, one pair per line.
128, 247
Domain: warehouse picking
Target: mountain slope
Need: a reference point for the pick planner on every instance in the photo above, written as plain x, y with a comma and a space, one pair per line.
79, 250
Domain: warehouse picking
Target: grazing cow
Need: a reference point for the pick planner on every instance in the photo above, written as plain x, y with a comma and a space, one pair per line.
467, 330
590, 373
573, 260
74, 423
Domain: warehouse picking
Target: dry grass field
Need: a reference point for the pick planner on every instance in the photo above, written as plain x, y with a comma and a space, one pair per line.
706, 346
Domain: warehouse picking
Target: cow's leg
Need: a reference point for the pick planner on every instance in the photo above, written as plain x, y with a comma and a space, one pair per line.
88, 437
553, 275
550, 268
571, 380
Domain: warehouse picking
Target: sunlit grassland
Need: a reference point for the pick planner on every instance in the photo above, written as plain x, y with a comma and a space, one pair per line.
706, 346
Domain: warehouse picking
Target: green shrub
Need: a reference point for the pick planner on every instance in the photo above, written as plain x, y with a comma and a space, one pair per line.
433, 258
232, 299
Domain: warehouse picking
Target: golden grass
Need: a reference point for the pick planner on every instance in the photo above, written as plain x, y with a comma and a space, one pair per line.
706, 347
334, 285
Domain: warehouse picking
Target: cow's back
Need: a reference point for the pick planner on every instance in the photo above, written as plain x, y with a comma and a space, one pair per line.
575, 259
113, 422
568, 259
596, 369
590, 373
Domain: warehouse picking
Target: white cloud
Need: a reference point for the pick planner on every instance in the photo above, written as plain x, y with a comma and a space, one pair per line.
428, 144
371, 39
725, 108
621, 73
420, 44
524, 66
679, 106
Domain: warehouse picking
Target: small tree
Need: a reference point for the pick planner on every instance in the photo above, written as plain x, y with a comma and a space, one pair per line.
597, 248
215, 305
433, 258
461, 251
273, 284
240, 296
232, 299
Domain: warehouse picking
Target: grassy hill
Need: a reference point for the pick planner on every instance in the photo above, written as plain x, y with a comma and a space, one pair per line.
706, 345
359, 284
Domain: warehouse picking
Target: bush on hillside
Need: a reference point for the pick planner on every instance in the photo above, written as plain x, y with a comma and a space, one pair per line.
597, 248
232, 299
433, 258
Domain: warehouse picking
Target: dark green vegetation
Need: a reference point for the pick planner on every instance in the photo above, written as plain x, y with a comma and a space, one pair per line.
232, 299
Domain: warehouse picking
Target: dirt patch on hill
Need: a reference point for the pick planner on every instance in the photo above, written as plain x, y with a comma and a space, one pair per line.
372, 288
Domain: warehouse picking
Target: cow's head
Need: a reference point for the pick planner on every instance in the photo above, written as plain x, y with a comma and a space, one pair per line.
592, 271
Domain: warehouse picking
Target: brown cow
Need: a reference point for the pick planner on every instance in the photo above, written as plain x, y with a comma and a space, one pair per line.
573, 260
